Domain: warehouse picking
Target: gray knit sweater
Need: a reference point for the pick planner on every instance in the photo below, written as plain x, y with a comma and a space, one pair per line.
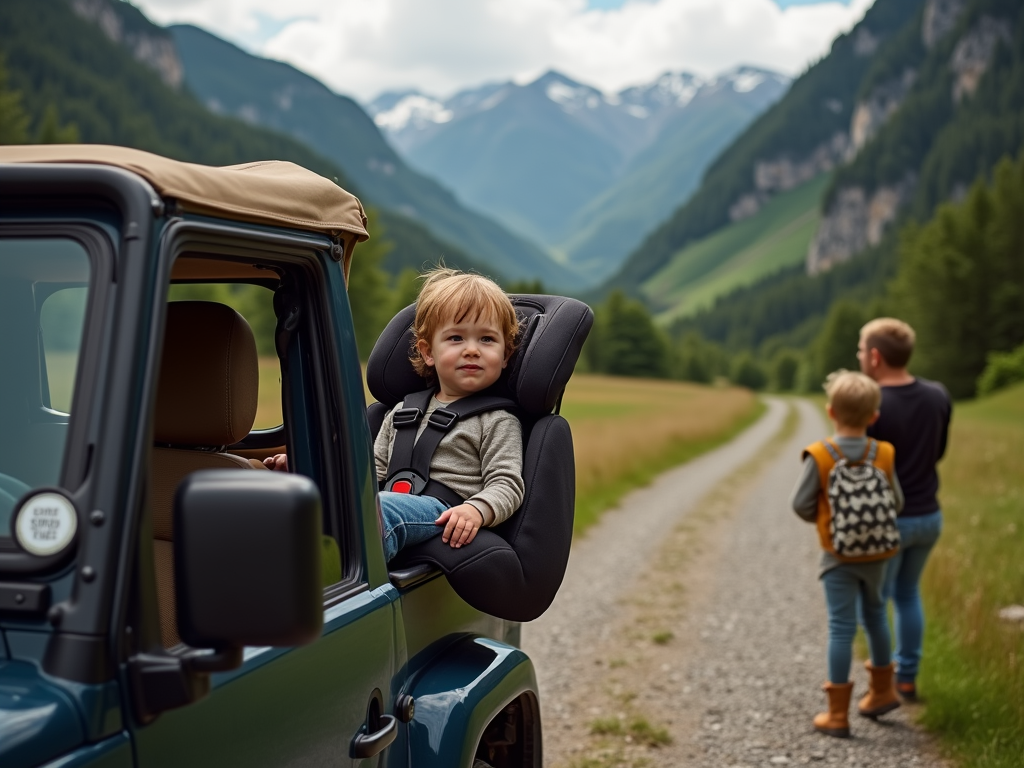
481, 459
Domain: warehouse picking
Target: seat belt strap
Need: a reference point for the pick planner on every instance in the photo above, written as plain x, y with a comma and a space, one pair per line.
409, 468
406, 421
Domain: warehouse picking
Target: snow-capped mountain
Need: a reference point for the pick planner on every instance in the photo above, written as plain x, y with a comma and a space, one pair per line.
541, 157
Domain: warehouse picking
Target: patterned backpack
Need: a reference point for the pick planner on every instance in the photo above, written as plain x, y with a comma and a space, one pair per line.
862, 505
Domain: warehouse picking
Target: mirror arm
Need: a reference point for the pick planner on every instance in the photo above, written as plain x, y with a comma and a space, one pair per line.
223, 660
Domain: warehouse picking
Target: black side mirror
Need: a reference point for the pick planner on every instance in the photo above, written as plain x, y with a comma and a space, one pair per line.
247, 561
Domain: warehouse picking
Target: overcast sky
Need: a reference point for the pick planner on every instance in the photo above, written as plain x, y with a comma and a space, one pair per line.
364, 47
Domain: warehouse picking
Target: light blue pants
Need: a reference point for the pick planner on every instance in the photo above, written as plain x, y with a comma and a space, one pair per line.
918, 535
845, 587
408, 520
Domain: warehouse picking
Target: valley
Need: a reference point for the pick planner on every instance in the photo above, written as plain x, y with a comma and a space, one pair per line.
583, 172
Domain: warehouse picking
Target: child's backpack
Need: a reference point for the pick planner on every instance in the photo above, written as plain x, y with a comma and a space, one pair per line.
514, 569
862, 506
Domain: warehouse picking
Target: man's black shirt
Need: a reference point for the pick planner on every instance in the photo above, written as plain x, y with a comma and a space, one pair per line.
915, 419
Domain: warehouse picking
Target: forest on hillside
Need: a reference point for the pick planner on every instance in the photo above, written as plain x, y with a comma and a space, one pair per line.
958, 279
790, 328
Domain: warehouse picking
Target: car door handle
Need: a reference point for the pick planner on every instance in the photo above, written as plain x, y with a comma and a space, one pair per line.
369, 744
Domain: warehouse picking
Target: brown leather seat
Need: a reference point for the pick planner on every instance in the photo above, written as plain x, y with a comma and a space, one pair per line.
206, 400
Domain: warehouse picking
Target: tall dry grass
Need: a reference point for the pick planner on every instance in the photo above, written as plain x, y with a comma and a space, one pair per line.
626, 430
973, 668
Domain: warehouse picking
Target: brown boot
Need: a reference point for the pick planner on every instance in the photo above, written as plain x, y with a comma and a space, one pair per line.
881, 696
836, 722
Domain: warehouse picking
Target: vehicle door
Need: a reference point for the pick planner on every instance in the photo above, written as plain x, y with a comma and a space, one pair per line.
306, 705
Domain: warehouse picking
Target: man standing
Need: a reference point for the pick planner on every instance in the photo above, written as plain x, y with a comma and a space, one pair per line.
914, 417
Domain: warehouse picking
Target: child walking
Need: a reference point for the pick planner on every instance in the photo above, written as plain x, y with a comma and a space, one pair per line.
465, 331
855, 569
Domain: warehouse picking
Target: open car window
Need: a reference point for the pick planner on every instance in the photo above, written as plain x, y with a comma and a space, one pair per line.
192, 408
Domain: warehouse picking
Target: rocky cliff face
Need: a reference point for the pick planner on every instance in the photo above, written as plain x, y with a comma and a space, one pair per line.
855, 221
973, 53
873, 112
940, 16
783, 173
150, 48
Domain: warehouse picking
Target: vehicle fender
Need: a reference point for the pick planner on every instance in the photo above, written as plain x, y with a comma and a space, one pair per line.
458, 695
37, 720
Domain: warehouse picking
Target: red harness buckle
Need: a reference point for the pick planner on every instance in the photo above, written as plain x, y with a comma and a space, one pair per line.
401, 486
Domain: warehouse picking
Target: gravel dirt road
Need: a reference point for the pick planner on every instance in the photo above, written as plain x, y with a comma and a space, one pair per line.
690, 628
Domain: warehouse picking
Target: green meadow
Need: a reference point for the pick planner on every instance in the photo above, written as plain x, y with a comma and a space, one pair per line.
972, 675
738, 255
626, 431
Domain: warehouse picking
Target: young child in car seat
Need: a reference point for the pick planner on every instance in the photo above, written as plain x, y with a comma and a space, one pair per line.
853, 401
465, 330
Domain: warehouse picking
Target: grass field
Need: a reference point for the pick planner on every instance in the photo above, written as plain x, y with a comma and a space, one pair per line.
626, 431
777, 236
973, 671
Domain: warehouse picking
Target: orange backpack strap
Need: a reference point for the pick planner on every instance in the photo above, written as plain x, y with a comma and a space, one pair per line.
823, 458
825, 461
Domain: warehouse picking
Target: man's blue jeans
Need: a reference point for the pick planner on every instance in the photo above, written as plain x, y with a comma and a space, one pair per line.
845, 587
918, 535
408, 520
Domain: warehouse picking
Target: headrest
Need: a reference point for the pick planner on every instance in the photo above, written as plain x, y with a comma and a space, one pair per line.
552, 332
209, 376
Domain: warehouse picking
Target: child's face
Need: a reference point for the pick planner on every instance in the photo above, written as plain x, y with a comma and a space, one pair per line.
468, 356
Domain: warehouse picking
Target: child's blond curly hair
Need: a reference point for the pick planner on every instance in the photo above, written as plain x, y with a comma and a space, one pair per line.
853, 396
451, 295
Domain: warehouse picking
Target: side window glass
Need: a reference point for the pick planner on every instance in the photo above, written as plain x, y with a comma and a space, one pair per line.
43, 292
60, 325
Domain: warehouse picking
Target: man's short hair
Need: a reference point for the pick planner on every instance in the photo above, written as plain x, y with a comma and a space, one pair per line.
450, 295
853, 396
893, 339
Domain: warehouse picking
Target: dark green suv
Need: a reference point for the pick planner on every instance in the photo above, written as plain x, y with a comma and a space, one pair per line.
164, 599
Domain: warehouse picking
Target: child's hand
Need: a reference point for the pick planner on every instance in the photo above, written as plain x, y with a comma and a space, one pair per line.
460, 524
278, 462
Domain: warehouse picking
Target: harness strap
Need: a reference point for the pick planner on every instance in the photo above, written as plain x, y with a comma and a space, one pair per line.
409, 467
833, 450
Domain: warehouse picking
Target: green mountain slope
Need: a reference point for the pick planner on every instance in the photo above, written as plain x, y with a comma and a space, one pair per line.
818, 106
278, 96
55, 58
737, 255
945, 145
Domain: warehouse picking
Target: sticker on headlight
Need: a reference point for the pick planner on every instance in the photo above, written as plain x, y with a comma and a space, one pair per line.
45, 524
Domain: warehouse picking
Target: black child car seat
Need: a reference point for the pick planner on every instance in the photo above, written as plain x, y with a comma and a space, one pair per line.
514, 569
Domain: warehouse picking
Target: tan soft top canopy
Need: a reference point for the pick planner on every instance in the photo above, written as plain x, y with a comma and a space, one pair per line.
271, 192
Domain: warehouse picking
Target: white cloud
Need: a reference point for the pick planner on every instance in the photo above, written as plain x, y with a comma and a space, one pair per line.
362, 47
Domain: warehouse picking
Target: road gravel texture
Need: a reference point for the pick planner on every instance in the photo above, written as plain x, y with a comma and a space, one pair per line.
690, 629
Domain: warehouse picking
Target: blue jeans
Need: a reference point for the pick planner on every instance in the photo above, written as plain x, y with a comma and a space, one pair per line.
408, 520
918, 535
846, 586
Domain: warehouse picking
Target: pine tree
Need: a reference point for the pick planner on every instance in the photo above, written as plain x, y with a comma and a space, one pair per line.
836, 345
368, 291
52, 132
13, 117
626, 342
961, 281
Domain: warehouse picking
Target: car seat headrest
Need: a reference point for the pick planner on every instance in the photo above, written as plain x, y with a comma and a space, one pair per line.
552, 332
209, 376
